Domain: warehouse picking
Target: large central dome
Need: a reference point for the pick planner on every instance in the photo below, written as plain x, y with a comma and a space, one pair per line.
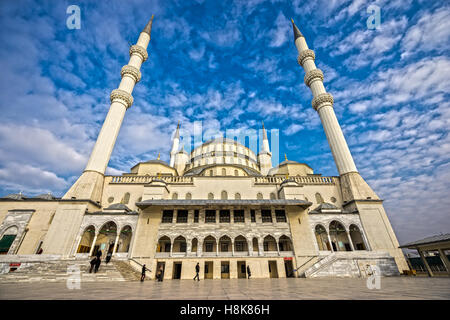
222, 151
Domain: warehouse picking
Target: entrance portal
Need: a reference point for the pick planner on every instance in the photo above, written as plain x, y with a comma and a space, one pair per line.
208, 269
225, 270
289, 269
273, 270
161, 265
176, 270
241, 267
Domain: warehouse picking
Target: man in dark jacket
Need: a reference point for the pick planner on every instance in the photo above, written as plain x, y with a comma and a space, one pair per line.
93, 261
97, 264
248, 272
108, 257
197, 270
143, 273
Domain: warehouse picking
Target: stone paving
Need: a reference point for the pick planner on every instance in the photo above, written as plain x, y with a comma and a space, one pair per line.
237, 289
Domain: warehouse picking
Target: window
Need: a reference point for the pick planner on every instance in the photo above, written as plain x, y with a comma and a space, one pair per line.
237, 196
239, 216
182, 216
210, 216
224, 216
196, 214
224, 246
210, 172
182, 246
209, 246
210, 196
175, 196
266, 215
224, 171
253, 215
280, 215
259, 196
319, 198
167, 216
126, 198
224, 195
188, 196
272, 196
236, 173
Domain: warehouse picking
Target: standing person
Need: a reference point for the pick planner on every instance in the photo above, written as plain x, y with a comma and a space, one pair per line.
249, 272
197, 270
108, 257
93, 262
143, 273
99, 253
97, 264
160, 274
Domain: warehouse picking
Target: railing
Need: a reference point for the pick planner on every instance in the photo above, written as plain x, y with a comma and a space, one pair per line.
301, 180
148, 179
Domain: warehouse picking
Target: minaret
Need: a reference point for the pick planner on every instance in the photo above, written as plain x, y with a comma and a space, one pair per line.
322, 102
175, 145
89, 184
265, 156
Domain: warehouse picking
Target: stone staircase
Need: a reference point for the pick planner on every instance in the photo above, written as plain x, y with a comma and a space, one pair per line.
352, 264
61, 270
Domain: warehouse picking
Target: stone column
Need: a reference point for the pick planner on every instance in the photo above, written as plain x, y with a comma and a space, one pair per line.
444, 260
430, 273
199, 248
350, 240
232, 247
261, 247
116, 242
217, 248
331, 243
250, 248
93, 245
171, 247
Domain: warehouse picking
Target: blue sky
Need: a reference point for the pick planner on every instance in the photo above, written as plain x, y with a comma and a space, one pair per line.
231, 64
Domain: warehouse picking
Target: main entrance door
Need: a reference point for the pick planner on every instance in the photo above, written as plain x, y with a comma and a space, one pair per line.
176, 270
289, 269
208, 270
241, 268
273, 270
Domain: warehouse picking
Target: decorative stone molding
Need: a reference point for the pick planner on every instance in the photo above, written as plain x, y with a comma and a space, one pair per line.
136, 49
305, 55
132, 71
313, 75
322, 98
121, 96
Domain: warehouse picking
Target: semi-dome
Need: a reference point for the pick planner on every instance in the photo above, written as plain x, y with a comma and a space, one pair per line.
222, 151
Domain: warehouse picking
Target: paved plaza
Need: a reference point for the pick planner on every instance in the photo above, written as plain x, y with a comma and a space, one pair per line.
237, 289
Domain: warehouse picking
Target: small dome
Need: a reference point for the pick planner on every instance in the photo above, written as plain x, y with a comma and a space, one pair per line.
118, 206
46, 196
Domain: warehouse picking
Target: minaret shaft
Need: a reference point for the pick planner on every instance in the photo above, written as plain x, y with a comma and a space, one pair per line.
323, 104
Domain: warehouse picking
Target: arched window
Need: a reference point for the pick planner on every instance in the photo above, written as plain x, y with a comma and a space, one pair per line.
194, 245
163, 244
86, 240
338, 235
209, 244
285, 243
110, 199
126, 198
236, 173
179, 244
188, 196
319, 198
322, 238
224, 171
210, 196
175, 196
225, 244
211, 173
270, 244
224, 195
255, 245
259, 196
240, 244
7, 239
357, 239
272, 196
237, 196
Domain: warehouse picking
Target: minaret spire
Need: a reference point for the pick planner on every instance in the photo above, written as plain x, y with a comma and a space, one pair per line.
323, 103
89, 185
148, 27
175, 145
264, 156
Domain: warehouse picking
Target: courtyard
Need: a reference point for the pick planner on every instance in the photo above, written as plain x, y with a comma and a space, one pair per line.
395, 288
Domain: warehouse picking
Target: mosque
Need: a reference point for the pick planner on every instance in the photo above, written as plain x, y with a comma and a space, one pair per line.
221, 205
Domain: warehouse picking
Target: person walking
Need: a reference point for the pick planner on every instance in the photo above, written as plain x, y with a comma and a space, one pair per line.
143, 272
97, 264
197, 270
249, 274
108, 257
93, 261
99, 253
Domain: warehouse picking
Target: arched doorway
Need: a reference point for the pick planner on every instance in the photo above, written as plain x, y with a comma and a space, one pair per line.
338, 235
240, 244
106, 238
270, 244
285, 243
322, 238
124, 239
163, 244
86, 240
7, 239
209, 244
179, 244
357, 239
225, 244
